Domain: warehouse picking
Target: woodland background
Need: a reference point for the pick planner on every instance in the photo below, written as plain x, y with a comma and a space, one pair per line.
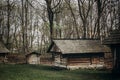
31, 24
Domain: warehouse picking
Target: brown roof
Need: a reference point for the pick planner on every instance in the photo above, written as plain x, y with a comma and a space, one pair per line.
80, 46
3, 49
113, 38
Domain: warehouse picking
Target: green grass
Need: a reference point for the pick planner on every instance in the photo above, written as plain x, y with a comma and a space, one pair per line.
40, 72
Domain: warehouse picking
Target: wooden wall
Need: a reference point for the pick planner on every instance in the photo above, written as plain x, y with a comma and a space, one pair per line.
78, 61
60, 61
33, 59
92, 62
108, 60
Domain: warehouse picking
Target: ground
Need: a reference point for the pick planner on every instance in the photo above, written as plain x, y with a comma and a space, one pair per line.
40, 72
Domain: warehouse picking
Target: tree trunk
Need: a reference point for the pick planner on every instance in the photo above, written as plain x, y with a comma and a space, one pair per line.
50, 17
8, 25
23, 29
99, 14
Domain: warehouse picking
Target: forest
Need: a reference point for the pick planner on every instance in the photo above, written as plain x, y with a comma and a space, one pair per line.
31, 24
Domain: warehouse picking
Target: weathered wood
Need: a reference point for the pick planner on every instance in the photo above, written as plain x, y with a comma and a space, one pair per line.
83, 55
78, 53
113, 41
33, 58
78, 60
78, 46
113, 38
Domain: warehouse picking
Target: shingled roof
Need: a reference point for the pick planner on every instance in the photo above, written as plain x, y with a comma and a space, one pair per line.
113, 38
3, 49
79, 46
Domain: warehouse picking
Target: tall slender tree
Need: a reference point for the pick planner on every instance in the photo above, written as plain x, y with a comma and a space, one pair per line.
51, 9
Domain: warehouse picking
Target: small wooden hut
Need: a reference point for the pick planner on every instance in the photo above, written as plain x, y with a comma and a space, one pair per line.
33, 58
113, 41
3, 53
73, 54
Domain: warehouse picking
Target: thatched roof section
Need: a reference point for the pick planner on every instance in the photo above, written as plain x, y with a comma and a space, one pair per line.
113, 38
3, 49
80, 46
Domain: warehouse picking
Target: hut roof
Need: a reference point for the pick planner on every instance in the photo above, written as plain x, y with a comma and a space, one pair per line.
113, 38
79, 46
3, 49
33, 52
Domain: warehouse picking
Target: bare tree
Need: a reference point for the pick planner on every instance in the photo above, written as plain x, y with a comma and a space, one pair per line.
51, 9
101, 4
74, 17
84, 9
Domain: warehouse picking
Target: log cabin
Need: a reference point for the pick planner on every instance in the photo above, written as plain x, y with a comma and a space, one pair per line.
33, 57
74, 54
3, 53
113, 41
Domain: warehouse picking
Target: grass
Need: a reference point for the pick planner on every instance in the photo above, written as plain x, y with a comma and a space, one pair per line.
40, 72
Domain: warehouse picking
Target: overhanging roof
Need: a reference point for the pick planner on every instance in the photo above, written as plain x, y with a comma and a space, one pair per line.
113, 38
80, 46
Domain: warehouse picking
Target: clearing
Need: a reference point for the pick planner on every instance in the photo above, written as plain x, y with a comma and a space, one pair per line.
41, 72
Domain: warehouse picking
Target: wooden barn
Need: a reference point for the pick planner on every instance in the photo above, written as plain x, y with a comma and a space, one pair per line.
74, 54
113, 41
3, 53
33, 58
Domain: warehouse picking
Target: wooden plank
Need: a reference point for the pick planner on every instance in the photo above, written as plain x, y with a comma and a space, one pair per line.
80, 61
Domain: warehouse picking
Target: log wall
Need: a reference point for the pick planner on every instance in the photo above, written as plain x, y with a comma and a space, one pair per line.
79, 62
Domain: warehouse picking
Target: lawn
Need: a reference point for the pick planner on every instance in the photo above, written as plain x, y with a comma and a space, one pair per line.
40, 72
